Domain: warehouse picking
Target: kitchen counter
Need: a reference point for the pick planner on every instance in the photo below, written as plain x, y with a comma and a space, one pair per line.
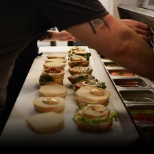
122, 134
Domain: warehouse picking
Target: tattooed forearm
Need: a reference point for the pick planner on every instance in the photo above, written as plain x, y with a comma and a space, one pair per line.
93, 28
97, 23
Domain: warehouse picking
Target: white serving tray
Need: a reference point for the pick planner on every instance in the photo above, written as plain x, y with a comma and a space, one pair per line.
16, 132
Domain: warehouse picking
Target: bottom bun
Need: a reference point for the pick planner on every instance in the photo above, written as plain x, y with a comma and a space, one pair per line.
48, 104
101, 127
45, 122
94, 118
53, 90
82, 103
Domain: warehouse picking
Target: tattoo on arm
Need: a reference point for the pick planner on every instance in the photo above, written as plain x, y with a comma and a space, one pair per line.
97, 23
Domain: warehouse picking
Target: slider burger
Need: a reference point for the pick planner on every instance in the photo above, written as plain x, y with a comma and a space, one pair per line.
54, 72
90, 94
51, 75
79, 77
54, 64
44, 123
57, 60
84, 82
80, 69
77, 60
54, 56
79, 51
48, 79
48, 104
53, 90
76, 49
94, 118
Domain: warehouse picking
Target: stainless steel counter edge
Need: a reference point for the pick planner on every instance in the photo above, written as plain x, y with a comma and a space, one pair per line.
126, 121
125, 131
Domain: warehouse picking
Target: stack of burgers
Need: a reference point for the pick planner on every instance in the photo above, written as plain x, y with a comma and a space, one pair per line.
52, 90
52, 96
53, 71
90, 94
78, 60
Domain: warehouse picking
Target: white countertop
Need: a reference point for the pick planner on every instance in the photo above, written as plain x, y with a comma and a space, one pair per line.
16, 131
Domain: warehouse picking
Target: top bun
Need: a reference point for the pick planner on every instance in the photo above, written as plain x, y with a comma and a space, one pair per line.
43, 123
50, 56
78, 50
80, 69
56, 60
54, 90
48, 104
91, 94
77, 77
54, 64
77, 60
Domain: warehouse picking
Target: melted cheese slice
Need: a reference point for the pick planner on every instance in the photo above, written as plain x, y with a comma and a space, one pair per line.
95, 110
47, 104
91, 94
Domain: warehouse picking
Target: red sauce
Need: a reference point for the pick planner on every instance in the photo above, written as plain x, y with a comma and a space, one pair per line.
144, 117
52, 70
122, 74
80, 84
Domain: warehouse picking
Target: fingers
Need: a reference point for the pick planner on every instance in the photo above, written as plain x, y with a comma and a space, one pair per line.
66, 36
145, 33
146, 38
140, 27
68, 39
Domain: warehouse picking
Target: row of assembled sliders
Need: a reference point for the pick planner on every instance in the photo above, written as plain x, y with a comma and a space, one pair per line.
137, 95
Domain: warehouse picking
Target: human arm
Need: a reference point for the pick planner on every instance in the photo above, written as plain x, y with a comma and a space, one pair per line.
118, 42
51, 35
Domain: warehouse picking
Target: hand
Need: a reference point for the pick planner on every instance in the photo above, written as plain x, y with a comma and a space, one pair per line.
58, 36
141, 28
66, 36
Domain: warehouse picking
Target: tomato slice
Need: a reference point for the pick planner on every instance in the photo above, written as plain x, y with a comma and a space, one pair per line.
122, 73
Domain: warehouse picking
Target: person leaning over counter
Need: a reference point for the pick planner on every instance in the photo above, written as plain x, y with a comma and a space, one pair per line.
22, 66
52, 35
87, 20
25, 59
141, 28
27, 56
